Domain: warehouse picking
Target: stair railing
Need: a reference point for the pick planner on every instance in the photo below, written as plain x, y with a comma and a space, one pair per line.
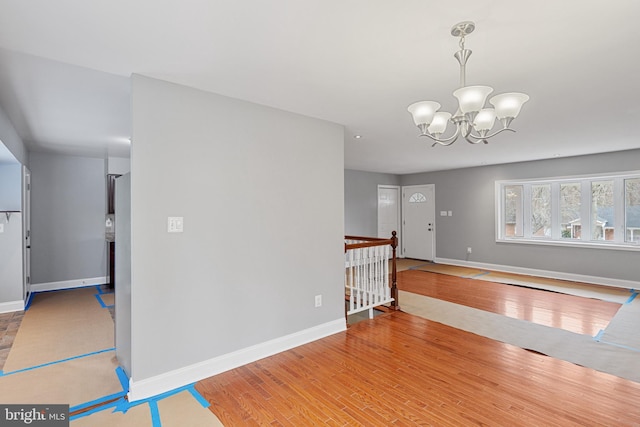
368, 281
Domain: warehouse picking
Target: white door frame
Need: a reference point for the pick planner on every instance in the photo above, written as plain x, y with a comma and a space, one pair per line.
26, 233
433, 240
398, 227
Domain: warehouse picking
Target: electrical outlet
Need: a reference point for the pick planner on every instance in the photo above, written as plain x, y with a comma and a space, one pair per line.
318, 300
469, 250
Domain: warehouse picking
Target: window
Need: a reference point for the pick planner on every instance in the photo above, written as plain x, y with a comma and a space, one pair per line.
513, 211
417, 198
632, 210
599, 211
570, 203
541, 210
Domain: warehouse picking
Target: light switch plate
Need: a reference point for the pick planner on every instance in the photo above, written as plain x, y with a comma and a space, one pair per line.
175, 224
443, 213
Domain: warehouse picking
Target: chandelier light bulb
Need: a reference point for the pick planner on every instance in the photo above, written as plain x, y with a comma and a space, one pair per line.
485, 119
508, 104
423, 112
439, 124
472, 98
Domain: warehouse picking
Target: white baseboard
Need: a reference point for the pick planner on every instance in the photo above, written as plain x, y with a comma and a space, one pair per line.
162, 383
67, 284
7, 307
604, 281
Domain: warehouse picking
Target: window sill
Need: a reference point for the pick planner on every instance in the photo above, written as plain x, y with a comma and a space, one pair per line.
574, 244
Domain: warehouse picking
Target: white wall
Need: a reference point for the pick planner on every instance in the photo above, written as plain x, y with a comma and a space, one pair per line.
261, 193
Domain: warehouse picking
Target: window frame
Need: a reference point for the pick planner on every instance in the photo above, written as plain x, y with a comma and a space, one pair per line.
555, 238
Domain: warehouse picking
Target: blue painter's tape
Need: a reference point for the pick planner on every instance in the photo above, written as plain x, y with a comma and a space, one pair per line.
102, 304
124, 380
29, 301
198, 397
1, 373
155, 414
631, 298
97, 409
626, 347
598, 336
484, 273
59, 361
101, 301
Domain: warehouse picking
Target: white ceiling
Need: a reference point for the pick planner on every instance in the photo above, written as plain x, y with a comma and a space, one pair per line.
64, 69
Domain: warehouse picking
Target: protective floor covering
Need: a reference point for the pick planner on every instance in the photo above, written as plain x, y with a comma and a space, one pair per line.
176, 410
73, 382
605, 293
580, 349
59, 325
624, 328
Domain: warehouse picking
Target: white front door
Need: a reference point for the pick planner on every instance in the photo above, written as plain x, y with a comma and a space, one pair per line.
388, 210
418, 219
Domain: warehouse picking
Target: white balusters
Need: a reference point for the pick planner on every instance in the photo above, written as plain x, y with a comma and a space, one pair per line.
367, 277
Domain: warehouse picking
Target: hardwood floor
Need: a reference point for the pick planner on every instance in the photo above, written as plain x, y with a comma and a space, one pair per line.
575, 314
402, 370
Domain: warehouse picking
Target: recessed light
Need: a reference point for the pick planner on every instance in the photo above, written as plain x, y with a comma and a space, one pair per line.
357, 136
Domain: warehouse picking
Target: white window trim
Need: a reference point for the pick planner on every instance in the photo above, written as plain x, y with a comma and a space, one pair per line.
619, 211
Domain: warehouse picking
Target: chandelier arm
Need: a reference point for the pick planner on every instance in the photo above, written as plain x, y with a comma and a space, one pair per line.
490, 135
446, 141
475, 140
444, 144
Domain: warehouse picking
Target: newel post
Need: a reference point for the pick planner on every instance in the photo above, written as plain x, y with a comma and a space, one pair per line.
394, 279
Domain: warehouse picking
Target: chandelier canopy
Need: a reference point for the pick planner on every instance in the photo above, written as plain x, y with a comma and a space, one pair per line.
472, 120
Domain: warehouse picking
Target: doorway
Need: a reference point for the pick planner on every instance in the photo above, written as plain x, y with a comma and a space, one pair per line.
418, 222
389, 211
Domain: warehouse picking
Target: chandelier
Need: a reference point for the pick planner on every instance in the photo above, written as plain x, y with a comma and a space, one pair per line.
473, 122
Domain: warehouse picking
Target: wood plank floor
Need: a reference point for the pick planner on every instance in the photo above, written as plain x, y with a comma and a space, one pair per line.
403, 370
575, 314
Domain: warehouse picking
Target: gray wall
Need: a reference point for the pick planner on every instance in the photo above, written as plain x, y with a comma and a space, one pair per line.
261, 193
123, 272
10, 138
10, 187
11, 259
361, 201
470, 194
67, 218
